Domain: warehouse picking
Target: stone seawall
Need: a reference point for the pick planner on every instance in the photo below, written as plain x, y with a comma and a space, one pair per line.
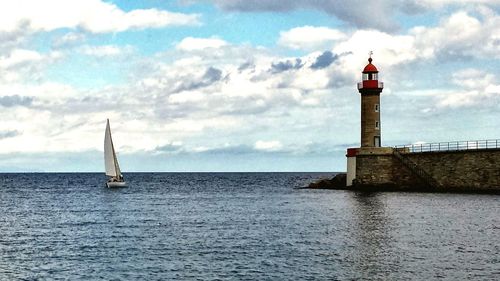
468, 170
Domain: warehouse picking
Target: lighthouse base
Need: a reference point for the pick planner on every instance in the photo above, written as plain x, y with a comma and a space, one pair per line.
442, 171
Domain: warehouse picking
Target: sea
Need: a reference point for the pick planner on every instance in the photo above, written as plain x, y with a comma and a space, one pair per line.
239, 226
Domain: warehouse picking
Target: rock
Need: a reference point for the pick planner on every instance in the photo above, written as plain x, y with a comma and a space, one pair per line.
337, 182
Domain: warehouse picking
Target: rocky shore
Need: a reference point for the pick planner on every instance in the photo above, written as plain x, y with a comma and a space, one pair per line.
337, 182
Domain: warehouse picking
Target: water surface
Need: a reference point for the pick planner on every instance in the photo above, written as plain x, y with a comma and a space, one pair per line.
239, 226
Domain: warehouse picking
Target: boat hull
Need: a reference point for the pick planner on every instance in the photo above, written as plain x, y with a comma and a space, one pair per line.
115, 184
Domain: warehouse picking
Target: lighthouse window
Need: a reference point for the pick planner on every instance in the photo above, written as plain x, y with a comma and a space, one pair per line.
365, 76
370, 76
377, 125
376, 108
375, 76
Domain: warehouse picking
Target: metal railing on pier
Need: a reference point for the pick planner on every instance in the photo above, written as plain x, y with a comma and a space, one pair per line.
449, 146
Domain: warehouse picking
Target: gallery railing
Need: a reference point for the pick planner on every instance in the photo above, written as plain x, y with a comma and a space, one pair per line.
370, 84
449, 146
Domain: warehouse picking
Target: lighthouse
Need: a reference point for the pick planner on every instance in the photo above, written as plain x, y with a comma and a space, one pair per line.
370, 89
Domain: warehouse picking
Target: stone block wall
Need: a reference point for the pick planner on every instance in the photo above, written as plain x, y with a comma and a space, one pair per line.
471, 170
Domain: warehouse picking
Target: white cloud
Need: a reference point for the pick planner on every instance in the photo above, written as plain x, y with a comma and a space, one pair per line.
189, 97
25, 65
91, 15
475, 87
459, 35
459, 99
105, 51
268, 145
389, 49
472, 78
193, 44
309, 37
70, 38
19, 56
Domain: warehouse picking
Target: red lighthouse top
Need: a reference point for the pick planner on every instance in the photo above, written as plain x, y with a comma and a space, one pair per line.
370, 68
370, 77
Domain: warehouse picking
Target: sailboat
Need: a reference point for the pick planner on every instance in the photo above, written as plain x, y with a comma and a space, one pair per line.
111, 162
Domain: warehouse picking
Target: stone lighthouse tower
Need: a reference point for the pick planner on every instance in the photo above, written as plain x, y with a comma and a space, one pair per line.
370, 89
371, 142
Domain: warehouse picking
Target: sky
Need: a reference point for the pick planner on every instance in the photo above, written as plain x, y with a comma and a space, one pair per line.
238, 85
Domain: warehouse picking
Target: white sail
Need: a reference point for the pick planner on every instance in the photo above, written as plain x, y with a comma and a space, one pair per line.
110, 161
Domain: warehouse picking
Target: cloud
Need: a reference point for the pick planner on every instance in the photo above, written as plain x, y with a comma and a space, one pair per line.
210, 76
14, 38
309, 37
440, 3
20, 56
460, 36
324, 60
362, 14
105, 51
286, 65
173, 147
388, 49
476, 86
245, 66
193, 44
15, 100
358, 13
25, 65
260, 147
457, 37
9, 134
268, 145
94, 16
472, 78
225, 149
69, 39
